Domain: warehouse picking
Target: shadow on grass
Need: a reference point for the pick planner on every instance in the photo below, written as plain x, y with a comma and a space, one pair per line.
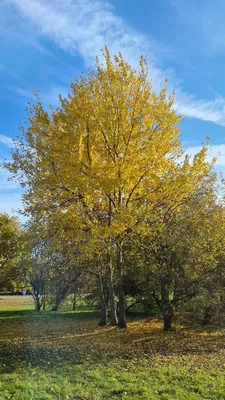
50, 340
32, 315
27, 337
14, 357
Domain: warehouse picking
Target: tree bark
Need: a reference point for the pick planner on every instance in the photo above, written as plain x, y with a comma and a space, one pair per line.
208, 314
57, 303
60, 296
37, 301
38, 304
44, 300
167, 307
74, 302
167, 319
113, 316
122, 308
104, 318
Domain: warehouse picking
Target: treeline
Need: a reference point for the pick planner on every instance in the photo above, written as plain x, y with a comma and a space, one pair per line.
115, 205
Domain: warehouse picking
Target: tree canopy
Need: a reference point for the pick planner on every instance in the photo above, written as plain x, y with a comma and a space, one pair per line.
108, 184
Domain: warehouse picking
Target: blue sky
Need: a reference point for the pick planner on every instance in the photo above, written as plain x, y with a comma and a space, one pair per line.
44, 43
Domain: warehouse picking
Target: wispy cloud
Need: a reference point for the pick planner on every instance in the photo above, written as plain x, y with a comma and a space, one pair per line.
85, 26
190, 106
6, 140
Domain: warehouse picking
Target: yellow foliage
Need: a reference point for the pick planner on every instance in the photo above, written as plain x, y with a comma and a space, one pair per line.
109, 155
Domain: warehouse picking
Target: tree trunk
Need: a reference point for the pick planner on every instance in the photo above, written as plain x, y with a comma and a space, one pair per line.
74, 302
208, 314
37, 301
56, 306
44, 303
122, 309
60, 296
104, 318
38, 304
167, 319
167, 307
113, 316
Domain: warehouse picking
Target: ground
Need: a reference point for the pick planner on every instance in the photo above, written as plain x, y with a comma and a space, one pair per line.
66, 356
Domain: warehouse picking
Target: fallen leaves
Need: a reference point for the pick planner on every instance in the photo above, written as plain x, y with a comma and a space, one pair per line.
51, 338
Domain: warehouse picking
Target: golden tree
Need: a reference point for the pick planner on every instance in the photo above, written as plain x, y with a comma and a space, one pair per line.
107, 157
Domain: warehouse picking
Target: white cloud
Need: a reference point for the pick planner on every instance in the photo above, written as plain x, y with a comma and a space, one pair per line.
6, 140
85, 26
190, 106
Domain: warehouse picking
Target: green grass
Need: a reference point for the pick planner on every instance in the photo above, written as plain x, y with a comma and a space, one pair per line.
116, 380
66, 356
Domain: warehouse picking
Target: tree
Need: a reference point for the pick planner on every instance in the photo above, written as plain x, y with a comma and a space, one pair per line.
10, 245
107, 157
32, 266
186, 249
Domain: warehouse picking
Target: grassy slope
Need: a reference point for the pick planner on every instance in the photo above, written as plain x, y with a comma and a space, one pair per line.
65, 355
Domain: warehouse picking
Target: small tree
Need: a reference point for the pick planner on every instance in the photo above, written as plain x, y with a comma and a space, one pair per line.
10, 247
186, 248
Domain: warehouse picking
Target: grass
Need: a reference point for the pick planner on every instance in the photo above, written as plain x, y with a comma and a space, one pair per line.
65, 355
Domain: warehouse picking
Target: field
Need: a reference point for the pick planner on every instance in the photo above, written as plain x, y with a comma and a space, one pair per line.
65, 355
